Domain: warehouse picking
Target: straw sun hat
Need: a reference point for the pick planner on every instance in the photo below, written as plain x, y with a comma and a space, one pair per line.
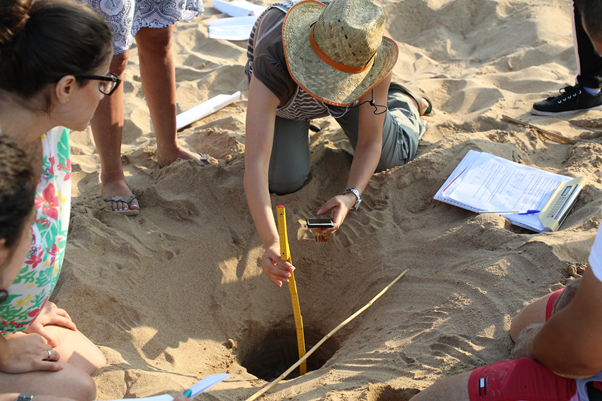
337, 52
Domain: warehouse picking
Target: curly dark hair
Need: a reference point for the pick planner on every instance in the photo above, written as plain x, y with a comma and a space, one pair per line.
17, 190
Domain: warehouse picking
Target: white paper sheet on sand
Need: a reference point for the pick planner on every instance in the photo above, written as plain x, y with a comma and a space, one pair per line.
238, 28
483, 182
204, 109
238, 8
197, 389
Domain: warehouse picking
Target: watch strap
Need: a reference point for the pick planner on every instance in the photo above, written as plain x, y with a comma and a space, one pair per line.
358, 198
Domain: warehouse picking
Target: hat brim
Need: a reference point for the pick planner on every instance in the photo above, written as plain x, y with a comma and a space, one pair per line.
317, 78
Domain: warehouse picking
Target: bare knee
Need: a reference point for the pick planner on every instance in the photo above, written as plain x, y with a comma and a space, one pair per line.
73, 383
97, 359
535, 312
77, 349
70, 382
87, 361
155, 39
79, 385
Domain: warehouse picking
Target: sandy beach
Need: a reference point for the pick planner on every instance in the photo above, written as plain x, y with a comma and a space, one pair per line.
178, 293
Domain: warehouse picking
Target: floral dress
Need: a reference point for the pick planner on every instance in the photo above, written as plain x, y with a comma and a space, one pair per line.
37, 278
126, 17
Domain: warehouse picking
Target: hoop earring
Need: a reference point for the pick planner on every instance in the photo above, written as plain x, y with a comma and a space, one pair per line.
3, 296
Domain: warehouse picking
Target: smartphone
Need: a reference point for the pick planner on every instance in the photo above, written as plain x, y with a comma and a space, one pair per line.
320, 222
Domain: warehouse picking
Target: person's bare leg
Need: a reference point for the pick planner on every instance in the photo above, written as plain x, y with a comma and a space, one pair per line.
454, 388
420, 103
76, 349
107, 128
535, 312
70, 382
423, 103
158, 74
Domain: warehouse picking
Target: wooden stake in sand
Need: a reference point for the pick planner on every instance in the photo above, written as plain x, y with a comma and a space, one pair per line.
540, 130
326, 337
285, 254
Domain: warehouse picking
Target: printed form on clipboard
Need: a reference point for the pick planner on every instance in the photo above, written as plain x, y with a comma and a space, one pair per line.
485, 183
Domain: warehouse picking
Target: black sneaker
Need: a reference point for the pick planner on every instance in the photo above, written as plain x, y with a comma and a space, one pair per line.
572, 99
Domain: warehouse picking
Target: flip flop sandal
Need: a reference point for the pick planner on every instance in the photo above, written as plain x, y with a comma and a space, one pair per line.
204, 160
428, 111
128, 211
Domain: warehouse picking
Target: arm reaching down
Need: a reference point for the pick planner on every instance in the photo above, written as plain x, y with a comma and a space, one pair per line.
366, 157
259, 136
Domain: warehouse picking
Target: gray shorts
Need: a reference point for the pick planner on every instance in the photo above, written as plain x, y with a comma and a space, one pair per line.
290, 159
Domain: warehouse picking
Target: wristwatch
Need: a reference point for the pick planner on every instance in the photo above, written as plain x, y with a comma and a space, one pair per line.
358, 198
25, 397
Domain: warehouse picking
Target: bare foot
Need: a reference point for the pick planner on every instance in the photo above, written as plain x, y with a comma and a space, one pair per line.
419, 100
116, 188
166, 158
423, 103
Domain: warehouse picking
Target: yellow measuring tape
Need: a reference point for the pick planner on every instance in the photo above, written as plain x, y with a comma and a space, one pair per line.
285, 254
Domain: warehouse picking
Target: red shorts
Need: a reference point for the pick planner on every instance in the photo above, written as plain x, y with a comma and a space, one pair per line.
550, 304
520, 380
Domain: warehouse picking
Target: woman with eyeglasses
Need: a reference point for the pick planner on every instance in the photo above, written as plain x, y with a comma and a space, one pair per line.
54, 64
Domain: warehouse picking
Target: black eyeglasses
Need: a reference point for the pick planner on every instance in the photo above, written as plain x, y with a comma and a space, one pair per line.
108, 83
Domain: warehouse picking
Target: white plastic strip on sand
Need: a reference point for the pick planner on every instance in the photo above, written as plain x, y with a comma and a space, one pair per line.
204, 109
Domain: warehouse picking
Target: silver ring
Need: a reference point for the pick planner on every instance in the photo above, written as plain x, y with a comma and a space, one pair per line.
49, 354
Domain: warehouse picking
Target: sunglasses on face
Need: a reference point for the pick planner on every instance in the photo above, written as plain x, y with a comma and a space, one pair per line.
108, 83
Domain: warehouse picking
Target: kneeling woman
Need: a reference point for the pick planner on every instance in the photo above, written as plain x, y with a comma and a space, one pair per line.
306, 61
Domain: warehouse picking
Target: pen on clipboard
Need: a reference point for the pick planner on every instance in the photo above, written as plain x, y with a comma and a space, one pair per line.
511, 211
452, 181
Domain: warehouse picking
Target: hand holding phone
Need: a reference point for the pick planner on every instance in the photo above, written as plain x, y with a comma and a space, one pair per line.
319, 222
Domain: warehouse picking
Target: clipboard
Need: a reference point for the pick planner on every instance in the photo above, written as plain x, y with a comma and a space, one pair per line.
484, 183
560, 204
